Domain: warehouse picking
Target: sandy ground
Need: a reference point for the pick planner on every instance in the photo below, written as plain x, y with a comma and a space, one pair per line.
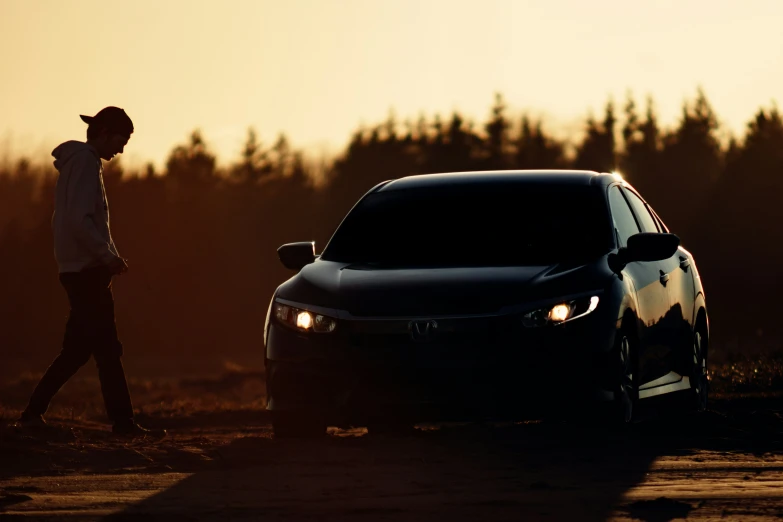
725, 464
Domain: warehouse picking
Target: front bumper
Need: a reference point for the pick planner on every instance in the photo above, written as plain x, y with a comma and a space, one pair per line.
510, 373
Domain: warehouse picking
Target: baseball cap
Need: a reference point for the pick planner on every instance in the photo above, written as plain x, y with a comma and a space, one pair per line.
112, 118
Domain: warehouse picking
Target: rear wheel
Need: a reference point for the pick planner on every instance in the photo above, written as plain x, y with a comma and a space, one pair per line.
287, 424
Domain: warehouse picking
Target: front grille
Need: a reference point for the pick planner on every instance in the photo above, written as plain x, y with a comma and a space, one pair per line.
452, 340
398, 304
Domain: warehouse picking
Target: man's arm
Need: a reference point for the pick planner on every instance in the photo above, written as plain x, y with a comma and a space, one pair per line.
82, 198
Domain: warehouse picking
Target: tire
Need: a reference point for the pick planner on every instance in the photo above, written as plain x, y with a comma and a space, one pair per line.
626, 397
287, 425
388, 422
698, 375
390, 428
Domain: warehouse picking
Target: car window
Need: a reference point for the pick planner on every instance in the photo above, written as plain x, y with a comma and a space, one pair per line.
624, 222
645, 219
661, 225
474, 224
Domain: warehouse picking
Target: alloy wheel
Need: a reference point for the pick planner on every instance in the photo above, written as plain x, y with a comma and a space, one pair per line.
699, 379
627, 391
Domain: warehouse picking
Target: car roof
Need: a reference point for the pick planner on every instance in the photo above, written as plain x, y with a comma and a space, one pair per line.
565, 177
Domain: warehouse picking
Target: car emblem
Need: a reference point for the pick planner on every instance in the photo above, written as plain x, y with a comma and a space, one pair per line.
422, 330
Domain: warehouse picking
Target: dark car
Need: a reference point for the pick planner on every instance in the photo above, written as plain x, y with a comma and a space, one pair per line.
486, 295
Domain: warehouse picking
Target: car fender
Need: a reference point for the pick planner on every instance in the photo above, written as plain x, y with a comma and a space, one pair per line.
622, 303
628, 303
267, 320
700, 303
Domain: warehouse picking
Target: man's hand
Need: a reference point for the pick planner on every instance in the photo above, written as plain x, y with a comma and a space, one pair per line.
118, 266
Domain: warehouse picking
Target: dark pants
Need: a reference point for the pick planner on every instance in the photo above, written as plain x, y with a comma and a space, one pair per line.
90, 331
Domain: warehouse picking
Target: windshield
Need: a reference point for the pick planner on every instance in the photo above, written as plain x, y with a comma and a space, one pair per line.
474, 225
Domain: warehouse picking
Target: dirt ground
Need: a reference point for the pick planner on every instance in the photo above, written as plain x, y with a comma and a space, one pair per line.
725, 464
220, 462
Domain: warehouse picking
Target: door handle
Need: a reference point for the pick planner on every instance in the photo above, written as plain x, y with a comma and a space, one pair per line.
664, 278
684, 263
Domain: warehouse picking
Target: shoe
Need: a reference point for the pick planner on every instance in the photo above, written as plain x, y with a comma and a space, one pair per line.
133, 431
35, 426
31, 421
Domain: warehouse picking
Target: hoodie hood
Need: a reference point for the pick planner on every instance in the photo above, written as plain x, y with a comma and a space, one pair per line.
64, 152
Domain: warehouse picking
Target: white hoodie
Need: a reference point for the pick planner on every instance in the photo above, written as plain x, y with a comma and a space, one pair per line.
81, 212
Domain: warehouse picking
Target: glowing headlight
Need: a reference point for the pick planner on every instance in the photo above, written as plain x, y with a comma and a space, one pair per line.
303, 320
561, 312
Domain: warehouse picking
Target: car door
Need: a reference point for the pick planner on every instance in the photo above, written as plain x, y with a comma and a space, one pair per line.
678, 322
651, 293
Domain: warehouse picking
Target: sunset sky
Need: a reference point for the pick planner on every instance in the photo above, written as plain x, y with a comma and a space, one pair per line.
317, 69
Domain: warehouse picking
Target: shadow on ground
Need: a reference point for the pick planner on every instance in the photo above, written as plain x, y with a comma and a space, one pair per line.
528, 471
452, 473
226, 466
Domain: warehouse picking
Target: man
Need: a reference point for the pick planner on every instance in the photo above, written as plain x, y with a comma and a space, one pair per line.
87, 259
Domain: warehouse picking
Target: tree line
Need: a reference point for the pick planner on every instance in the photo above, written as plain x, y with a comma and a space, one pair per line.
201, 240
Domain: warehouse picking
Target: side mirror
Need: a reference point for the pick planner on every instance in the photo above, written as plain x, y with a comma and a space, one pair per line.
645, 247
297, 255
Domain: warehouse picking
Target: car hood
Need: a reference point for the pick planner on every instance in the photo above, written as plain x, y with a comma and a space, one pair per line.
364, 291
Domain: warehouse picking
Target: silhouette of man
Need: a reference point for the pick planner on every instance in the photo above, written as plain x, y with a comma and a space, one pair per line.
88, 260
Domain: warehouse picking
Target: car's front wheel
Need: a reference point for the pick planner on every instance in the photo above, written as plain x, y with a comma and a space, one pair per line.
698, 376
286, 424
390, 427
627, 391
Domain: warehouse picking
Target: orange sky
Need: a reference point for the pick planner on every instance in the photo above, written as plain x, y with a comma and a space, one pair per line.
316, 69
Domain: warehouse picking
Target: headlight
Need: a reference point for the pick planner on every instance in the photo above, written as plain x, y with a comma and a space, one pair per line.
304, 320
561, 312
